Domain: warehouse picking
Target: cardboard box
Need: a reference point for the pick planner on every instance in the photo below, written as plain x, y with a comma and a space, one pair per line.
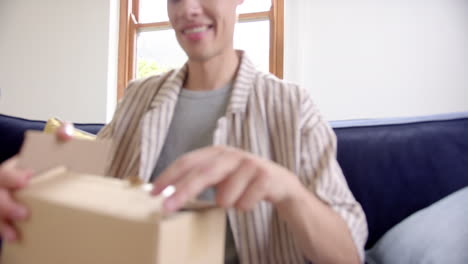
81, 218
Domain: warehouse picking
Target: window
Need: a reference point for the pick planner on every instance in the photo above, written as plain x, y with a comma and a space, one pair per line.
147, 44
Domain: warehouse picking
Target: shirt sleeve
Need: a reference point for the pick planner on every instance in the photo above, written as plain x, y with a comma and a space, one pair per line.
322, 174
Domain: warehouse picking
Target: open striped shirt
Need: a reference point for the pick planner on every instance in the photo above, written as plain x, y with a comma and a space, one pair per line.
266, 116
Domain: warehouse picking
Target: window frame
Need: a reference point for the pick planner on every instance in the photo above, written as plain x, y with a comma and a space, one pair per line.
129, 27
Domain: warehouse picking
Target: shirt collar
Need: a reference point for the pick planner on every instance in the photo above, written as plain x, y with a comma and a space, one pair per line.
242, 86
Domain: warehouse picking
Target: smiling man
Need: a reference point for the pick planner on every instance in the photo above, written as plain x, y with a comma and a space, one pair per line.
219, 129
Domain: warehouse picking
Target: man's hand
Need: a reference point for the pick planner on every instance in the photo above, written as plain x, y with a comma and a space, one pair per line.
65, 131
240, 178
13, 178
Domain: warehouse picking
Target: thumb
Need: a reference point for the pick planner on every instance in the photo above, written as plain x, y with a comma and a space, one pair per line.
65, 131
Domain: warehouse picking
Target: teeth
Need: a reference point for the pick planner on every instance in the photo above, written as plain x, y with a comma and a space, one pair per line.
196, 30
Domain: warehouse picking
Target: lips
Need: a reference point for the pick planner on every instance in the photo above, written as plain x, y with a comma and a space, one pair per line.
195, 29
196, 32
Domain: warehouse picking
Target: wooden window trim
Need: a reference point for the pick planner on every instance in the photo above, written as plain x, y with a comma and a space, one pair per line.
129, 26
277, 38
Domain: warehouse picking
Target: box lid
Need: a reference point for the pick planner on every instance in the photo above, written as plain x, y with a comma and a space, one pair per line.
102, 195
79, 181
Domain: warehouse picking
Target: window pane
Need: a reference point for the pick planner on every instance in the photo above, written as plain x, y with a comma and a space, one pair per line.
250, 6
254, 38
153, 11
157, 52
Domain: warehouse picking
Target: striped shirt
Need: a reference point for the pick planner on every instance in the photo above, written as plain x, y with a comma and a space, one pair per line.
265, 116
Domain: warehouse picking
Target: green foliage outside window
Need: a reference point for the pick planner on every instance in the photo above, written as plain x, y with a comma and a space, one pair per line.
148, 67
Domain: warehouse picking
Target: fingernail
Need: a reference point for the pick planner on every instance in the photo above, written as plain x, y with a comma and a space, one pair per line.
19, 213
168, 191
147, 187
69, 129
9, 235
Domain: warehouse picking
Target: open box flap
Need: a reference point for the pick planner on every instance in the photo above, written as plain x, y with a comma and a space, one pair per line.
41, 152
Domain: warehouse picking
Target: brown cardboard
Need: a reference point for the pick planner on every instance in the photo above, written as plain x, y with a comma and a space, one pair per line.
41, 152
81, 218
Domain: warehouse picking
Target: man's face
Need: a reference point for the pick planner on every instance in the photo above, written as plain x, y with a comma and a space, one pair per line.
204, 28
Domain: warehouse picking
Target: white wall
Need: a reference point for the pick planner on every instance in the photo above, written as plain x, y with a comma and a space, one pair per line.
379, 58
58, 58
359, 58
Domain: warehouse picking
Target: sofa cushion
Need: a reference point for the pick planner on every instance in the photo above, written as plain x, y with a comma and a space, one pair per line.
397, 168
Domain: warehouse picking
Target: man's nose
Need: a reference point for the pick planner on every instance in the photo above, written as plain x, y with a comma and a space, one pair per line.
191, 8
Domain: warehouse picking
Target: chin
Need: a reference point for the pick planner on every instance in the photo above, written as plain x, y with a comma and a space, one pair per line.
200, 55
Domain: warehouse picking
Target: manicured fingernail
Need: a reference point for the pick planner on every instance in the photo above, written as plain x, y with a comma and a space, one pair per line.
19, 213
147, 187
69, 129
168, 191
8, 235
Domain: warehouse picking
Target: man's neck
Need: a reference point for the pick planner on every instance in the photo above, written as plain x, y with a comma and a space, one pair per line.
213, 73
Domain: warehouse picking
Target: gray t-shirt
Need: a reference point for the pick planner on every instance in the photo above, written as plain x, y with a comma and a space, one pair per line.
192, 126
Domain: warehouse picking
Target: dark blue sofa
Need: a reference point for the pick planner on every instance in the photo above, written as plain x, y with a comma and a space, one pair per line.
393, 167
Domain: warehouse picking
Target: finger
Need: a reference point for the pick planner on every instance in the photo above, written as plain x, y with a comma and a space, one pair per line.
183, 165
10, 209
65, 131
191, 185
11, 177
8, 232
230, 190
184, 192
256, 192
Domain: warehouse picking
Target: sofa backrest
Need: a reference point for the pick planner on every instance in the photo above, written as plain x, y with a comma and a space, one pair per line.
392, 168
398, 168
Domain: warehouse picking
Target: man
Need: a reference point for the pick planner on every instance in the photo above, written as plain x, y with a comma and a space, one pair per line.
219, 129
